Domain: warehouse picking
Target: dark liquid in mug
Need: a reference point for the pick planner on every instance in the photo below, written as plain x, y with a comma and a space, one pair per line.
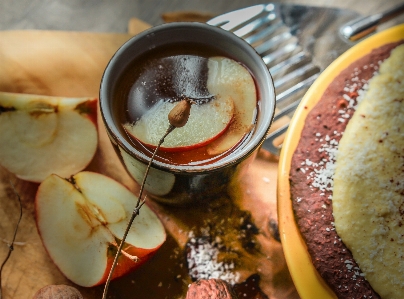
169, 73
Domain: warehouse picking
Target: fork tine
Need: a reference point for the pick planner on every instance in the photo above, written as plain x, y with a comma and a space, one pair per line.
254, 25
273, 42
264, 33
288, 63
231, 20
281, 52
300, 72
295, 88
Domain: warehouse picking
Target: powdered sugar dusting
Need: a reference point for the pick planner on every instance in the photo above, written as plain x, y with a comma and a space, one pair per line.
202, 259
322, 176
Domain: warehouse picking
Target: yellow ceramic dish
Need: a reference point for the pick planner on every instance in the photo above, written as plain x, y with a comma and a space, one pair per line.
308, 282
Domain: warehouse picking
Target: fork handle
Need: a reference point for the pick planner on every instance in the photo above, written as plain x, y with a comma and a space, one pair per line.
361, 27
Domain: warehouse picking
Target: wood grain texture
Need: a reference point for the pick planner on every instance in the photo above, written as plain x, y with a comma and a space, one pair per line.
62, 72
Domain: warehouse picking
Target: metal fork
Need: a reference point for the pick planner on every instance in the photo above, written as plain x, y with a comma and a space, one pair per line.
296, 42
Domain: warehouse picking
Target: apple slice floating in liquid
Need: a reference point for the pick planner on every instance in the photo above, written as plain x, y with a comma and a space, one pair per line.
82, 220
40, 135
228, 77
206, 123
220, 123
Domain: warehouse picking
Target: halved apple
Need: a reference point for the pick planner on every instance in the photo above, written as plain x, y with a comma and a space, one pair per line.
220, 123
206, 123
40, 135
81, 221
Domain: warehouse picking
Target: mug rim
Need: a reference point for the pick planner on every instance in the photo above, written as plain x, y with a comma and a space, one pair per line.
265, 112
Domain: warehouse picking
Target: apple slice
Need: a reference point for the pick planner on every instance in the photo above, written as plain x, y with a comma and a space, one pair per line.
227, 77
81, 221
40, 135
206, 122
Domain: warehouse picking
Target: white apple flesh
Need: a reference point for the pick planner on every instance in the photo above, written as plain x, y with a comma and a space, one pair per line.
230, 78
220, 123
82, 220
206, 123
41, 135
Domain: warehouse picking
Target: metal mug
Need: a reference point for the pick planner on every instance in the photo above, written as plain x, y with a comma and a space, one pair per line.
174, 184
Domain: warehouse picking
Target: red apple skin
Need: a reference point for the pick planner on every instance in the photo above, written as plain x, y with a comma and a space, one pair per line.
124, 266
186, 147
89, 108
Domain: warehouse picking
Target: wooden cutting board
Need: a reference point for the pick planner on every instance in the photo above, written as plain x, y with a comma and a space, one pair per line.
71, 64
